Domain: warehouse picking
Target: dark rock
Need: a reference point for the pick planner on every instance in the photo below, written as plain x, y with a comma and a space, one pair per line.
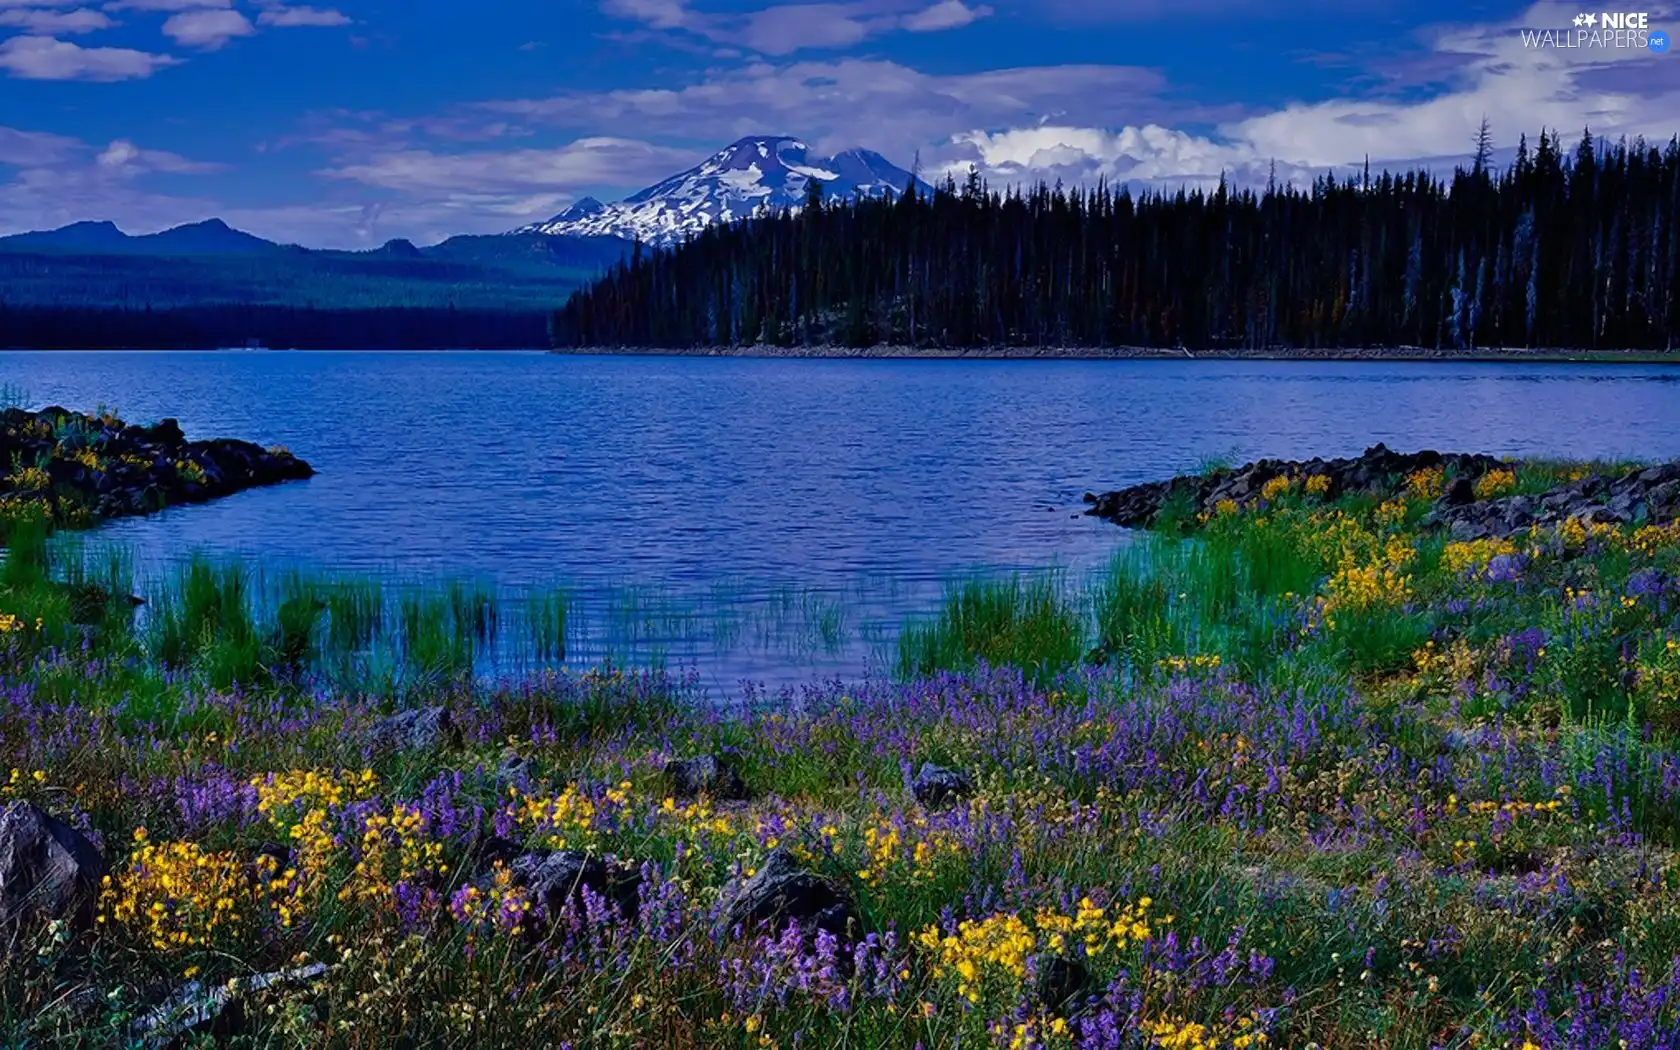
782, 893
936, 786
513, 770
417, 729
486, 851
1631, 498
89, 602
139, 470
272, 861
1459, 493
704, 775
1060, 980
163, 432
48, 869
1626, 506
560, 876
1595, 514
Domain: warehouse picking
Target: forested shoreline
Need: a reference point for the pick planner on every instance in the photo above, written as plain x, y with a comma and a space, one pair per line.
218, 325
1572, 250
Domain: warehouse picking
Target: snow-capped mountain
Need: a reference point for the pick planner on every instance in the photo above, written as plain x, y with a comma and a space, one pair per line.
758, 172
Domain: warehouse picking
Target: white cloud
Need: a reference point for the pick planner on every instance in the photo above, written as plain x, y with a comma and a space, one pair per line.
209, 29
165, 5
62, 180
948, 14
35, 148
657, 14
282, 17
782, 29
884, 105
47, 58
41, 22
1521, 90
585, 162
123, 157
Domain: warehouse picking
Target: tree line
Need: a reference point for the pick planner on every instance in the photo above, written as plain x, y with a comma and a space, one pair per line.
222, 325
1560, 249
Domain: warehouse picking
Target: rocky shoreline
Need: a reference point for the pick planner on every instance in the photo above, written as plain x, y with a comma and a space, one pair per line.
1144, 353
1632, 497
86, 468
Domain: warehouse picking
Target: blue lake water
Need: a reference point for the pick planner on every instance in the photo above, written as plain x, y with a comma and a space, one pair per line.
722, 509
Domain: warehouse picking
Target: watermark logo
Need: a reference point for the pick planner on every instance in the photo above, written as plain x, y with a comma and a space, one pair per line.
1601, 30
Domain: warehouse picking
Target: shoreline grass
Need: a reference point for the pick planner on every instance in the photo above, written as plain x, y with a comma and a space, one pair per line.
1294, 774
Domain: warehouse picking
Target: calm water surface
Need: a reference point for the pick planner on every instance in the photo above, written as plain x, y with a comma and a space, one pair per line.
770, 493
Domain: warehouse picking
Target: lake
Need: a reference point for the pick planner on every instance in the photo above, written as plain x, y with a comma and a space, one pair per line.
776, 519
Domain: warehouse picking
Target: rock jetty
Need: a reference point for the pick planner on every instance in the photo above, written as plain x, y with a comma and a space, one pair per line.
1649, 495
1378, 471
1637, 496
87, 468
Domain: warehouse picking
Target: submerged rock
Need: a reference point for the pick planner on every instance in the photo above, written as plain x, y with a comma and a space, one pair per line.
936, 786
704, 775
781, 892
48, 869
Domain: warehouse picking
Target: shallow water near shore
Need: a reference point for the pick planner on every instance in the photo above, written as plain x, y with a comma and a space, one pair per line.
772, 519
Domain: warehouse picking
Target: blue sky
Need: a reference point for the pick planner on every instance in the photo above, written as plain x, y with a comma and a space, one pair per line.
347, 125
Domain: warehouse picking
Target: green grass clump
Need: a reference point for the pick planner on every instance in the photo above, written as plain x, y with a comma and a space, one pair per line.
1026, 624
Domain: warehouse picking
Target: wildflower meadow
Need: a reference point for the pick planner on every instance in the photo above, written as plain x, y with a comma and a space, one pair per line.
1300, 772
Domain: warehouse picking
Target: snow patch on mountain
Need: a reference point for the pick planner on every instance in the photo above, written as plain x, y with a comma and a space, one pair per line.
755, 174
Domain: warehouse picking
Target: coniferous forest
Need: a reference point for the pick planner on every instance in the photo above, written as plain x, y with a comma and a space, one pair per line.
1564, 248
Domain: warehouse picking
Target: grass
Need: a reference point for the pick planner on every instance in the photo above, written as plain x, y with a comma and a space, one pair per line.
1025, 624
1334, 781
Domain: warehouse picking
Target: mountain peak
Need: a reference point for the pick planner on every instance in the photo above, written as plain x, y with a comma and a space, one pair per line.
751, 174
581, 209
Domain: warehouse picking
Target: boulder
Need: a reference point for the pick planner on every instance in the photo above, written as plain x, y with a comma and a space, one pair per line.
557, 877
514, 770
936, 786
706, 775
1462, 491
48, 869
781, 893
1060, 980
163, 432
417, 729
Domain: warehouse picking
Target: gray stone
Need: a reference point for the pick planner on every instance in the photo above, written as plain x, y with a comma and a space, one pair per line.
936, 786
557, 877
417, 729
1059, 980
782, 893
706, 775
48, 869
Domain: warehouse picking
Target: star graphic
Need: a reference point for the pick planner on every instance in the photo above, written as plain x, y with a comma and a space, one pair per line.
1580, 20
1592, 20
